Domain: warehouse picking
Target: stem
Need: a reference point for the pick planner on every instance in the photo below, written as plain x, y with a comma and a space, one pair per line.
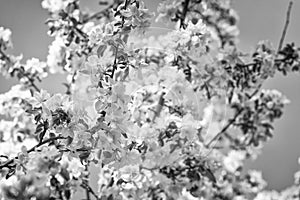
232, 121
95, 15
7, 163
207, 91
288, 15
224, 129
87, 191
149, 169
87, 187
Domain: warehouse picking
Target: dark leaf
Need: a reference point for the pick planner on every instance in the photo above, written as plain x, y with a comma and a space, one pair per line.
68, 194
103, 3
208, 173
65, 174
84, 155
120, 181
11, 172
37, 117
39, 128
193, 176
107, 154
110, 197
101, 50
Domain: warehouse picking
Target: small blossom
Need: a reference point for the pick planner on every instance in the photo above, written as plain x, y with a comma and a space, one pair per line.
267, 195
234, 160
56, 56
5, 37
34, 66
54, 6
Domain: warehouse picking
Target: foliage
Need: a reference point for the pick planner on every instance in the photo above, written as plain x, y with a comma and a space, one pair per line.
170, 118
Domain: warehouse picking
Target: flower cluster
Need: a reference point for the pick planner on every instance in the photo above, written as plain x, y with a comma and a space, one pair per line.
218, 15
5, 38
173, 117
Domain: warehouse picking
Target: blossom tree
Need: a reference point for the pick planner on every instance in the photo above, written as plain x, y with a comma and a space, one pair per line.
172, 117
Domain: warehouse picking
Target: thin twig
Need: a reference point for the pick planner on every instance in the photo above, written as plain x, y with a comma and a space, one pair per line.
288, 15
86, 182
94, 16
224, 129
115, 63
89, 189
232, 121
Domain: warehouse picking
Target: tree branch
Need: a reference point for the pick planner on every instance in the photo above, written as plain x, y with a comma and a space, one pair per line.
232, 121
86, 181
224, 129
89, 190
7, 163
288, 15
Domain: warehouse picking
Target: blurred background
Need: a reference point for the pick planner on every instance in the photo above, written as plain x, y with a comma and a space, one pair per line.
259, 20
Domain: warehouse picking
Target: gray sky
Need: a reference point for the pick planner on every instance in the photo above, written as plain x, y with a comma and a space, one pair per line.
259, 20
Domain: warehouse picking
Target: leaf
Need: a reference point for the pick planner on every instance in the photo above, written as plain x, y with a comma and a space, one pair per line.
107, 154
126, 73
65, 174
3, 156
110, 197
125, 38
69, 140
41, 136
120, 181
124, 134
11, 172
85, 71
39, 128
70, 8
103, 3
193, 175
100, 50
67, 194
37, 117
208, 173
84, 155
119, 41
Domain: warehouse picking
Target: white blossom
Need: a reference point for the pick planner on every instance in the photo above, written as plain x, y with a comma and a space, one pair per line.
234, 160
5, 37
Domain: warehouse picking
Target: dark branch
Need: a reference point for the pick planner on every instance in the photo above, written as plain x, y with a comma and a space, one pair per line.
87, 187
9, 162
231, 122
288, 15
224, 129
86, 181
